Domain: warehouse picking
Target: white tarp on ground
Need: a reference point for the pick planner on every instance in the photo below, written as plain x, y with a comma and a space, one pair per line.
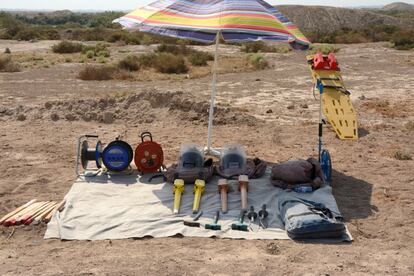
127, 206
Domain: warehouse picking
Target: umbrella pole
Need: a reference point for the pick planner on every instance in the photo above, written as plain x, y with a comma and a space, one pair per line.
213, 95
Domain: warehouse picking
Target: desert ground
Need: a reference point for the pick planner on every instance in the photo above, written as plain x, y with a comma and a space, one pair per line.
45, 108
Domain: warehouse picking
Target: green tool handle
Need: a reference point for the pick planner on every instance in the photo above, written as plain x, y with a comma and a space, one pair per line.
216, 217
241, 218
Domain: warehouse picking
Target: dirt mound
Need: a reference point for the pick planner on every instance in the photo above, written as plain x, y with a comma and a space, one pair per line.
144, 107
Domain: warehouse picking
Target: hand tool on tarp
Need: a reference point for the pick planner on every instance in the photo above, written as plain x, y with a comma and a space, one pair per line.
243, 188
223, 188
239, 225
251, 215
214, 225
263, 214
178, 189
199, 188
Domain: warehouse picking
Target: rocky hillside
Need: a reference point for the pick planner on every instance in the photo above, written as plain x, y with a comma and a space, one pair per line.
329, 19
399, 7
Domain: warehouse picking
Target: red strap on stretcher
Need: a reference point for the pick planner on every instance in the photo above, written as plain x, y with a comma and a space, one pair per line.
325, 63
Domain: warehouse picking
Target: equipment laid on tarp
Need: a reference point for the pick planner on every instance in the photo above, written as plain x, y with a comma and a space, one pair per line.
199, 189
115, 157
86, 154
307, 219
294, 173
178, 190
102, 208
335, 99
191, 166
232, 162
223, 188
149, 156
243, 188
209, 21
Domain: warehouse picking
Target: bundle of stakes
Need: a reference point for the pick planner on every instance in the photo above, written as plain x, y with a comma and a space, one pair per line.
32, 212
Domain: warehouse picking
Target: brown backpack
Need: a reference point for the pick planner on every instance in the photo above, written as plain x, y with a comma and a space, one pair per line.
288, 174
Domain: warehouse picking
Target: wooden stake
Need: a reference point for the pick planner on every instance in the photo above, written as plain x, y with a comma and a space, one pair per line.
17, 210
43, 214
13, 219
59, 208
30, 217
26, 215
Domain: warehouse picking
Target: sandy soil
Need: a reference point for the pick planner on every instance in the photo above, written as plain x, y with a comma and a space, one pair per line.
44, 110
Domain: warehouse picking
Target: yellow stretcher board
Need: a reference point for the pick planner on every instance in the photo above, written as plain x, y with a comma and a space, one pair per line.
336, 103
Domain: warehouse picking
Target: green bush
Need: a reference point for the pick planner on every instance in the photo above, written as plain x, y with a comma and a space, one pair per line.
7, 64
199, 58
67, 47
173, 49
97, 72
323, 48
258, 61
90, 54
254, 47
97, 50
404, 40
170, 64
130, 63
399, 155
133, 38
147, 60
104, 53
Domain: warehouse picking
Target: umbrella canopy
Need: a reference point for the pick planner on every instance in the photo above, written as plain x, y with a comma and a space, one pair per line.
200, 20
207, 20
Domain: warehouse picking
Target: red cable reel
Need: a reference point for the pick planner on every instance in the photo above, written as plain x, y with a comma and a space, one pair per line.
149, 157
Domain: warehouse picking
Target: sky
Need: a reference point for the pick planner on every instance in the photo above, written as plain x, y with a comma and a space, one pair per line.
132, 4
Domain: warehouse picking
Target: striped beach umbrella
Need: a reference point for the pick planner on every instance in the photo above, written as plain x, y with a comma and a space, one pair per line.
208, 20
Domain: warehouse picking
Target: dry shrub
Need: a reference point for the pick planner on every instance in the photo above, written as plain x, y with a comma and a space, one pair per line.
196, 58
258, 61
410, 126
323, 48
8, 65
404, 40
256, 47
399, 155
170, 64
173, 49
67, 47
147, 60
199, 58
123, 75
97, 72
130, 63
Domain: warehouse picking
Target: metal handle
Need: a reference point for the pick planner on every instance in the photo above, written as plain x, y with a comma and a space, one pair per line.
146, 134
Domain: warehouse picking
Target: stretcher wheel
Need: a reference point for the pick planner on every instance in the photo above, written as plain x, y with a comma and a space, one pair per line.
326, 165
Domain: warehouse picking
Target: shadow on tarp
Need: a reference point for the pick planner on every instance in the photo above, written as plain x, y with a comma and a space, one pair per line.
353, 196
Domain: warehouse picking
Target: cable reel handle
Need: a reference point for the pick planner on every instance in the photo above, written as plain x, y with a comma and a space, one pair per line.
146, 134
